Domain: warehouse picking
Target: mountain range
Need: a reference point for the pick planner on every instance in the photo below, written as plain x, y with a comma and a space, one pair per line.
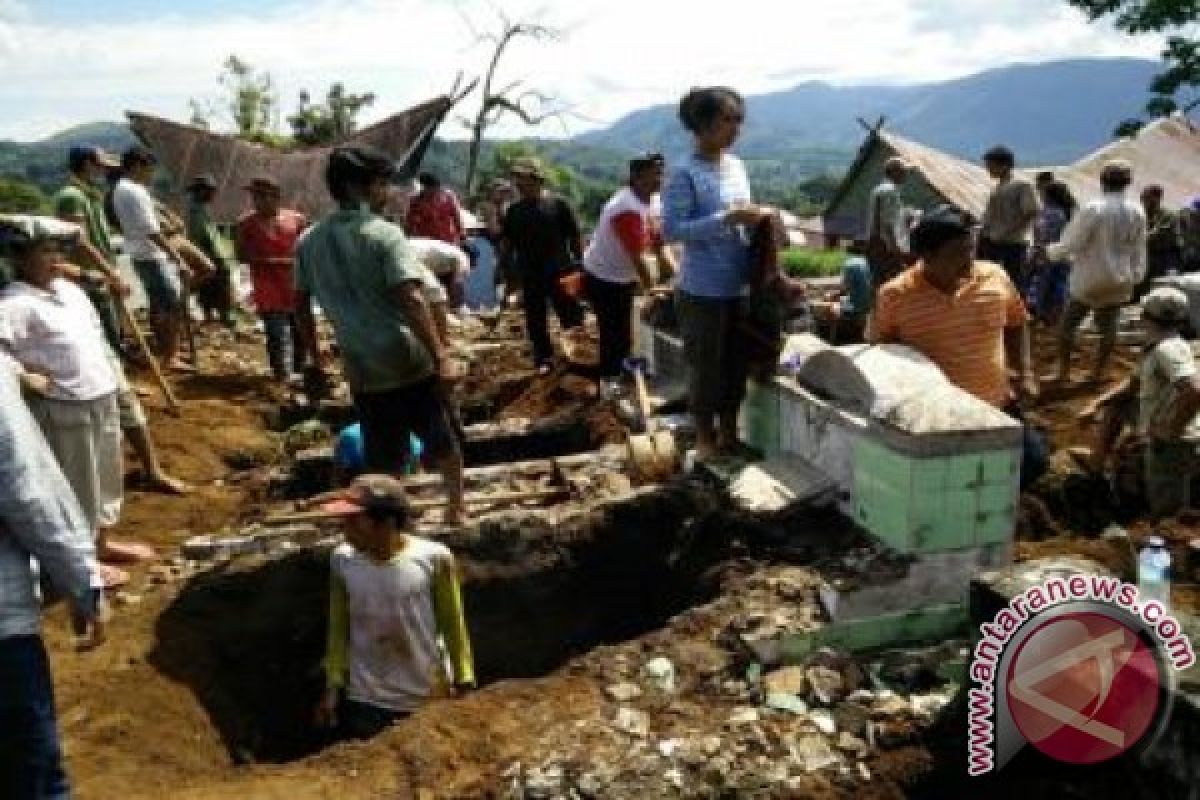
1048, 113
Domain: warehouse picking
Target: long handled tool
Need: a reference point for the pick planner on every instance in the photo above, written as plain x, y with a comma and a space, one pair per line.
425, 505
128, 321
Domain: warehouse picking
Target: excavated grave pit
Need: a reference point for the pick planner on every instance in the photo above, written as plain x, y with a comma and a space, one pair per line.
248, 639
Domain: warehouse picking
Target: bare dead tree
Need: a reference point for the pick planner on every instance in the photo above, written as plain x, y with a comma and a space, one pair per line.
531, 106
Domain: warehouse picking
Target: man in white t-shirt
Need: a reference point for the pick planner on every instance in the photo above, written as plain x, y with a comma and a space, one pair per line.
617, 260
157, 263
448, 262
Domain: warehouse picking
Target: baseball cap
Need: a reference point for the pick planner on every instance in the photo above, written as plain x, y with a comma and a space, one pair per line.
372, 494
84, 154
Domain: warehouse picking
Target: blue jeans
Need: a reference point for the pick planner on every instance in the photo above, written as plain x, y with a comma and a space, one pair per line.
30, 756
281, 343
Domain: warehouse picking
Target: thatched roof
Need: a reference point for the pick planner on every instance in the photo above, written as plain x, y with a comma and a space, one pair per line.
186, 151
1165, 152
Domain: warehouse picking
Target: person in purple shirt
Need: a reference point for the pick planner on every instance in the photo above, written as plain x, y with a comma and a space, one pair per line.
707, 207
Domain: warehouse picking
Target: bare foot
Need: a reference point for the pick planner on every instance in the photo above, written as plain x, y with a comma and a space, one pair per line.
167, 484
125, 552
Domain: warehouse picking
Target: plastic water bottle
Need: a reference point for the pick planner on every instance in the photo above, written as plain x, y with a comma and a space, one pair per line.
1154, 571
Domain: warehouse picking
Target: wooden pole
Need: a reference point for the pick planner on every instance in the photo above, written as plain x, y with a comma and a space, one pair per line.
425, 505
127, 319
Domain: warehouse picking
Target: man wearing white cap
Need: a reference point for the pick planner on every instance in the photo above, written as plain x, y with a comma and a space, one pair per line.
1166, 389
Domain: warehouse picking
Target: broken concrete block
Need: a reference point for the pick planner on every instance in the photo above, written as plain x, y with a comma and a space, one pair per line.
825, 685
812, 753
623, 692
789, 680
824, 721
633, 722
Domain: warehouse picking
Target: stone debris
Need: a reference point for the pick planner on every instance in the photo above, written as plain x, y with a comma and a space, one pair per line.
825, 685
788, 680
660, 672
623, 692
824, 721
813, 753
633, 722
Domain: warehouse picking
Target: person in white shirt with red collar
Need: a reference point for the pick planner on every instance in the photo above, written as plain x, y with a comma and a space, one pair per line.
617, 260
52, 336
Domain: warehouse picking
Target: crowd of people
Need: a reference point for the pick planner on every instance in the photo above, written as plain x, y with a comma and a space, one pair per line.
961, 291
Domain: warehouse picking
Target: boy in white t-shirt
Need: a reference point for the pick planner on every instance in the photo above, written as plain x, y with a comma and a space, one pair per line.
394, 604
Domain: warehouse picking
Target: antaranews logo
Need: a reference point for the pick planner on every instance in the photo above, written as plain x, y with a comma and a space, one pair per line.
1080, 666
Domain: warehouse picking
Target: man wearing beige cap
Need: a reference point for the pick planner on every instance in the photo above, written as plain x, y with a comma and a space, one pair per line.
1106, 243
887, 224
541, 241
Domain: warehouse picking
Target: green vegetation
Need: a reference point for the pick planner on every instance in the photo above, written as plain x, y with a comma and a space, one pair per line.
18, 196
806, 262
1175, 88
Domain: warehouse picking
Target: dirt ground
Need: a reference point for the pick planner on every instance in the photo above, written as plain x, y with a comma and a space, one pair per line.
159, 711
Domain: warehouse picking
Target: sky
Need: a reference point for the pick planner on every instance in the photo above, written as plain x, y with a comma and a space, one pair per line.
65, 62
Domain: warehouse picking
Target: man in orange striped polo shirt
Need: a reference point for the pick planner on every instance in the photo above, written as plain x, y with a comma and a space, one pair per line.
963, 315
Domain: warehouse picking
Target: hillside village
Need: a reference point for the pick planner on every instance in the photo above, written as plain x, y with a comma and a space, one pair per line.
832, 442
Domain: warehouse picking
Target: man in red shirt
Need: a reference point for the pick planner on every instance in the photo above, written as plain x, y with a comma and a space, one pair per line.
433, 213
266, 242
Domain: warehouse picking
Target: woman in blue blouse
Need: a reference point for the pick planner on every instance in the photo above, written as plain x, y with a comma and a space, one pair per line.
707, 207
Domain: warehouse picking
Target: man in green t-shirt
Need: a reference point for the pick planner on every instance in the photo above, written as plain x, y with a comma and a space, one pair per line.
82, 203
361, 270
215, 295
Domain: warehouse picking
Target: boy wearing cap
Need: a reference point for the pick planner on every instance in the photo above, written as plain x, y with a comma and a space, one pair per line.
266, 242
1166, 390
215, 295
392, 597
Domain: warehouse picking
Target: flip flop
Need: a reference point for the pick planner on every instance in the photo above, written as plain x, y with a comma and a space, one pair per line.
127, 552
112, 577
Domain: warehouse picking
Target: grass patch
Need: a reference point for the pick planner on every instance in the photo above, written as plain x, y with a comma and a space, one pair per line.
806, 262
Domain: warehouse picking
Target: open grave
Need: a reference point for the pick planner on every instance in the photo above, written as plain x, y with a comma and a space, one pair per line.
249, 639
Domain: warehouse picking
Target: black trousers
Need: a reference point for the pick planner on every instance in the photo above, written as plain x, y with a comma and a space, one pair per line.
540, 289
613, 304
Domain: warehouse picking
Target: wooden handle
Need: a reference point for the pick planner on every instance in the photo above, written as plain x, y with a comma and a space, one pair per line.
131, 324
423, 505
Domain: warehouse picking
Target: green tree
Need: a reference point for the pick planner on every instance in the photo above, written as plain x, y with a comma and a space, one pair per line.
21, 197
250, 102
1174, 89
335, 119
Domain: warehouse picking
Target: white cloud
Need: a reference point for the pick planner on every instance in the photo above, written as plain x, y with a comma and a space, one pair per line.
619, 54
